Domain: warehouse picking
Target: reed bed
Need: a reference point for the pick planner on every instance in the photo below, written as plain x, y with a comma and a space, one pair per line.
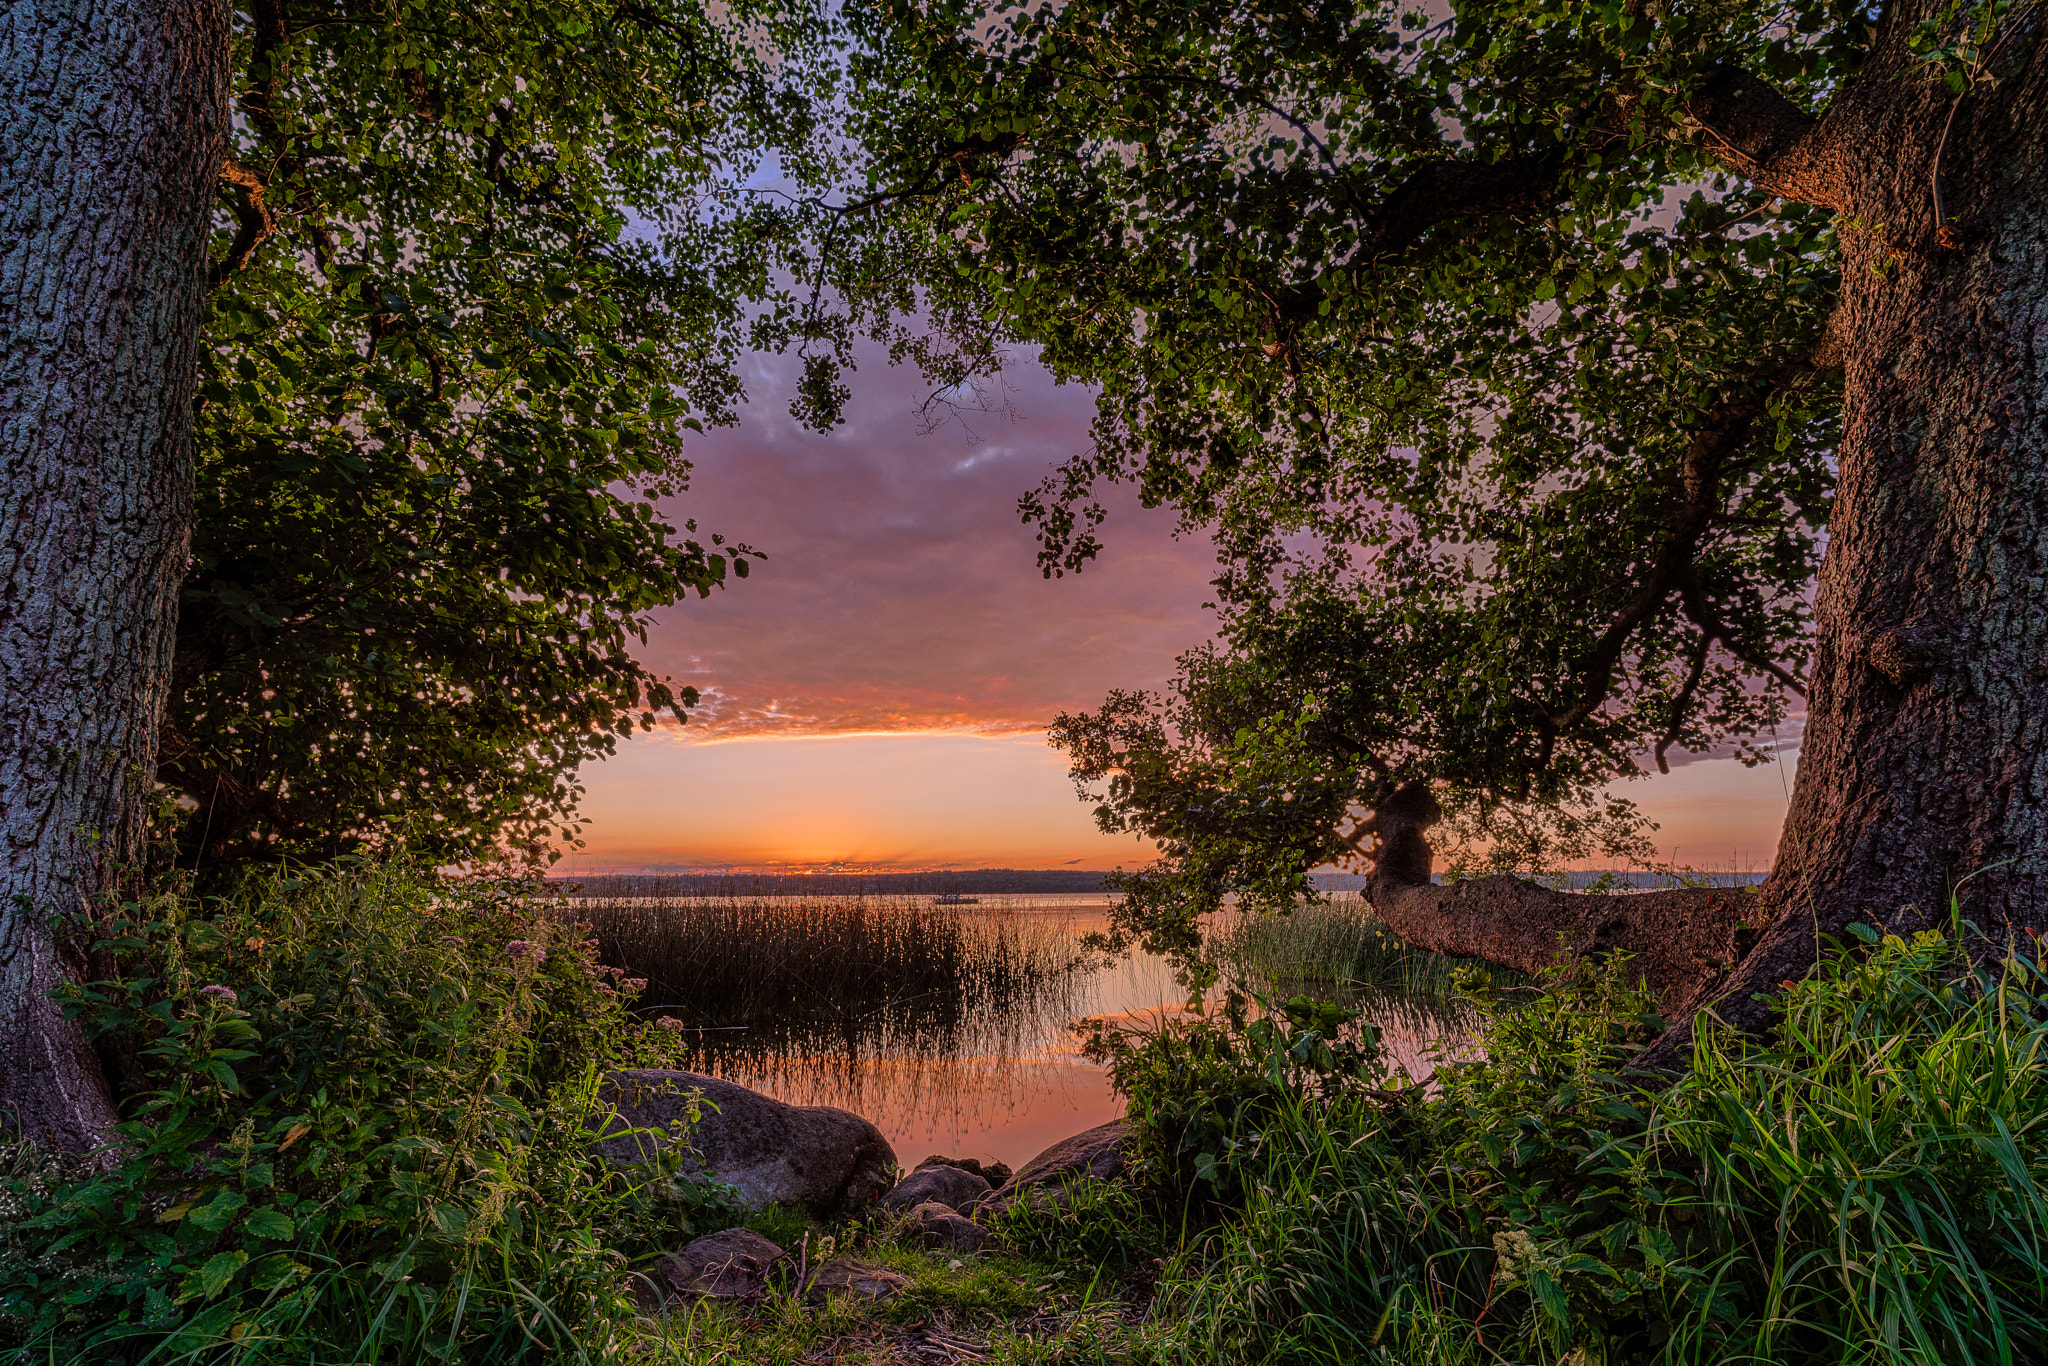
872, 1002
1339, 945
753, 961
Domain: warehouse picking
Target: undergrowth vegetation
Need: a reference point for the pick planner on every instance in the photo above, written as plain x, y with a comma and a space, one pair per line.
1866, 1185
358, 1128
360, 1108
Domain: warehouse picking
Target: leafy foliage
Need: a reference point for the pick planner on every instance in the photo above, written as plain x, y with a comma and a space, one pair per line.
363, 1133
479, 272
1864, 1185
1207, 1092
1509, 405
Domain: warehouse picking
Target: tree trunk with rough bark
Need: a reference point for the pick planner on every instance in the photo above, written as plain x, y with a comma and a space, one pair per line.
1923, 775
113, 122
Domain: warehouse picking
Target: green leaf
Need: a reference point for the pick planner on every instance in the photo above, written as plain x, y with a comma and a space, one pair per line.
219, 1212
1550, 1295
268, 1223
212, 1278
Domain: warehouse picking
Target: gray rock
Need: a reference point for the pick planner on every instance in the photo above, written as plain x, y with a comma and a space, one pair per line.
732, 1265
937, 1225
995, 1173
845, 1276
949, 1186
1097, 1154
829, 1161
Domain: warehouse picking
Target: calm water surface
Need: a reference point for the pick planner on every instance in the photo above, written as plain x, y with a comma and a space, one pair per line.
1000, 1085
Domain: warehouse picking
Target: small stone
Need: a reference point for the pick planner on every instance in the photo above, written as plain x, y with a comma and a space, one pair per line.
935, 1225
954, 1187
845, 1276
732, 1265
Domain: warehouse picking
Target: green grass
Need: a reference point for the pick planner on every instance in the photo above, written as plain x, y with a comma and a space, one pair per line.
1869, 1185
1339, 945
1003, 1305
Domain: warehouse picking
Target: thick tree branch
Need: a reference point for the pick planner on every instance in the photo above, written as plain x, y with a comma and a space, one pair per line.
1683, 942
1445, 190
1726, 430
1765, 138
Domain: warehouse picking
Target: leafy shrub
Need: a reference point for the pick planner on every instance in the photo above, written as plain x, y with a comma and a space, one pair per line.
1207, 1090
362, 1132
1864, 1185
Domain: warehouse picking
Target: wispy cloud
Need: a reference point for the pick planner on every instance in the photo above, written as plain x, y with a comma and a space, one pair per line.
900, 592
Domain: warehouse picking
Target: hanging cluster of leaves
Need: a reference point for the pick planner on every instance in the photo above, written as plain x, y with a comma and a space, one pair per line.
478, 268
1510, 406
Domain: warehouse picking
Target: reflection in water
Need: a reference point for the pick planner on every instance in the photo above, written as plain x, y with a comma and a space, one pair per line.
945, 1026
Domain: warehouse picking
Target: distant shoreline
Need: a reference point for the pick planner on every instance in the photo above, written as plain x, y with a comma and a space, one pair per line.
1002, 881
988, 881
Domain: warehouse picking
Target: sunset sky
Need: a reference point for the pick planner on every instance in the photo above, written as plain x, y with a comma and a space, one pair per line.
876, 693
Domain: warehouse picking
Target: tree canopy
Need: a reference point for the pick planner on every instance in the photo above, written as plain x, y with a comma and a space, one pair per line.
1500, 349
478, 273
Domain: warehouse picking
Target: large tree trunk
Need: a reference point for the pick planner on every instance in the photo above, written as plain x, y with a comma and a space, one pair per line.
1923, 776
113, 121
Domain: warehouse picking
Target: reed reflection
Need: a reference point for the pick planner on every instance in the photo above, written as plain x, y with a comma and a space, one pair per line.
947, 1021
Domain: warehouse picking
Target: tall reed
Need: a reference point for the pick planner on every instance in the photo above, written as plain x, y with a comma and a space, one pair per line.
878, 1004
757, 961
1338, 944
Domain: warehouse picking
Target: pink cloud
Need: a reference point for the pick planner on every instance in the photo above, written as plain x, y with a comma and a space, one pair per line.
900, 591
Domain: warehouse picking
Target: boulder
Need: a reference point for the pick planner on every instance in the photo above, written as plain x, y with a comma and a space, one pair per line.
827, 1160
935, 1225
995, 1173
845, 1276
732, 1265
952, 1187
1096, 1154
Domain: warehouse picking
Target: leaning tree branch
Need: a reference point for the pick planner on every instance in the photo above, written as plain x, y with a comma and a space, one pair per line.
1681, 942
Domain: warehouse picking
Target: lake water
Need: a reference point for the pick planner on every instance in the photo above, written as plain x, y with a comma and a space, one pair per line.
999, 1080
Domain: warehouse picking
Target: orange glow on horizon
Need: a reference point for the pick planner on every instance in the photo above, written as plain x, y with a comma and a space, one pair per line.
914, 800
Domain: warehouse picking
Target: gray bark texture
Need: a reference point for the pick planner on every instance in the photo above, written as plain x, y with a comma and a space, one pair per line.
1923, 777
113, 120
